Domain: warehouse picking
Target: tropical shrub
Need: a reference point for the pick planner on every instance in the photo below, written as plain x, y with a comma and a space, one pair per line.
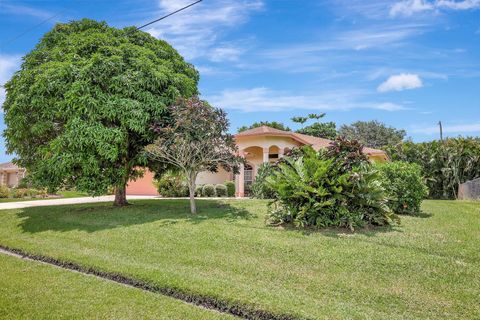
4, 192
208, 190
317, 190
346, 153
230, 188
220, 190
19, 192
404, 185
198, 190
445, 164
172, 184
260, 189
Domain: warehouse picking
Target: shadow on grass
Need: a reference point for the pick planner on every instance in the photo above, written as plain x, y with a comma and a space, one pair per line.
96, 217
368, 231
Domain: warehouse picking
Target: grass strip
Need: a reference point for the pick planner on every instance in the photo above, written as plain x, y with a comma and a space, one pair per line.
242, 311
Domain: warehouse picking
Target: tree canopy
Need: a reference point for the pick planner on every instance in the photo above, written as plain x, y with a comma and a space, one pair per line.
80, 110
272, 124
372, 133
198, 140
327, 130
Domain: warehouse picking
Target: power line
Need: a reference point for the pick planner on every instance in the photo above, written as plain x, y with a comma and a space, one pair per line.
56, 15
32, 28
170, 14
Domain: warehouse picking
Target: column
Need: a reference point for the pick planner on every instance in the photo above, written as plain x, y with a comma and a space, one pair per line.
265, 154
240, 178
281, 152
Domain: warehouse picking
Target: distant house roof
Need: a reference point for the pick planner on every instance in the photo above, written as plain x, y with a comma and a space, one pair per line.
315, 142
9, 166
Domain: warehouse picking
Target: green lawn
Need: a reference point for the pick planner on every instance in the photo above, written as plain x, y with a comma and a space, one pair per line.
429, 267
31, 290
60, 194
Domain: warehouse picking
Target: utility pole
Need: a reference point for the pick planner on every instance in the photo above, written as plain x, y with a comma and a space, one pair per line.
441, 130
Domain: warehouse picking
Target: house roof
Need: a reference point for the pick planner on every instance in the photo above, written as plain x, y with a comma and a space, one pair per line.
316, 142
9, 166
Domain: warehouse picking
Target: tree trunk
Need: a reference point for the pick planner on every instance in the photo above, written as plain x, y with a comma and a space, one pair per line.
120, 196
191, 176
193, 207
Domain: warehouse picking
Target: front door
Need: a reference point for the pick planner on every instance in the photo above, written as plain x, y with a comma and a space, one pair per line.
248, 179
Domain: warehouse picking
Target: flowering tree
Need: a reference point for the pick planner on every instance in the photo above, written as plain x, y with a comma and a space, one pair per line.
196, 140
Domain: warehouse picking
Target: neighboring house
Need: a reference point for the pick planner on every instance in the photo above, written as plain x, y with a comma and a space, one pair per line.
10, 174
258, 145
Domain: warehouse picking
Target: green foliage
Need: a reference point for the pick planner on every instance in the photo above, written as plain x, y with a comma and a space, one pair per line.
80, 110
230, 188
260, 189
404, 185
19, 193
198, 190
172, 184
272, 124
4, 192
326, 130
347, 153
208, 190
300, 120
221, 190
445, 164
372, 133
317, 190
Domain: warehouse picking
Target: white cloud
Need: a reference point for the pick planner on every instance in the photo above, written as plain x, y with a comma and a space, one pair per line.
458, 5
195, 32
8, 65
225, 54
264, 99
460, 128
26, 11
410, 7
399, 82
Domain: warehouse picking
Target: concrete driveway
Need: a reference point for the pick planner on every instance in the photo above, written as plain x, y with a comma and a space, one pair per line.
59, 202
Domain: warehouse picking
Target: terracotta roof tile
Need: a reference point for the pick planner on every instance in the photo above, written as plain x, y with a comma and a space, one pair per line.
315, 142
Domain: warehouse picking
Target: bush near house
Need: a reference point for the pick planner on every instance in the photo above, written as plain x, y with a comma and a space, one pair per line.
172, 184
404, 185
260, 189
221, 190
208, 190
333, 188
4, 192
198, 190
230, 188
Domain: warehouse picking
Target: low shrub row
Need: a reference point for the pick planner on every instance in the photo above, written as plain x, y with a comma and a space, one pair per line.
218, 190
20, 193
174, 185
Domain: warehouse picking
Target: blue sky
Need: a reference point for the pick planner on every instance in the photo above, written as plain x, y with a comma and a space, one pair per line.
406, 63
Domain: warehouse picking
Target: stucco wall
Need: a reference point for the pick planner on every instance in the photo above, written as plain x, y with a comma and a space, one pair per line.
142, 186
213, 178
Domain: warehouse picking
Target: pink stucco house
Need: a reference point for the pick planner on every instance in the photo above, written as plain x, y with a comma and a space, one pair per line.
259, 145
10, 174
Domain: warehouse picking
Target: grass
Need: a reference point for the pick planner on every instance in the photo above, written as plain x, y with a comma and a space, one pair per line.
31, 290
60, 194
429, 267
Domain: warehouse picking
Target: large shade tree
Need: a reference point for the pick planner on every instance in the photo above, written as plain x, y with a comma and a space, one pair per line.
372, 133
198, 140
80, 110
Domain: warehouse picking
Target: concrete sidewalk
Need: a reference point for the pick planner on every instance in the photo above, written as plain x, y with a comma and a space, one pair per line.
59, 202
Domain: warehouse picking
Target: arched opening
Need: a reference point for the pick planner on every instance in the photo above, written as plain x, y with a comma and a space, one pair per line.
273, 153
